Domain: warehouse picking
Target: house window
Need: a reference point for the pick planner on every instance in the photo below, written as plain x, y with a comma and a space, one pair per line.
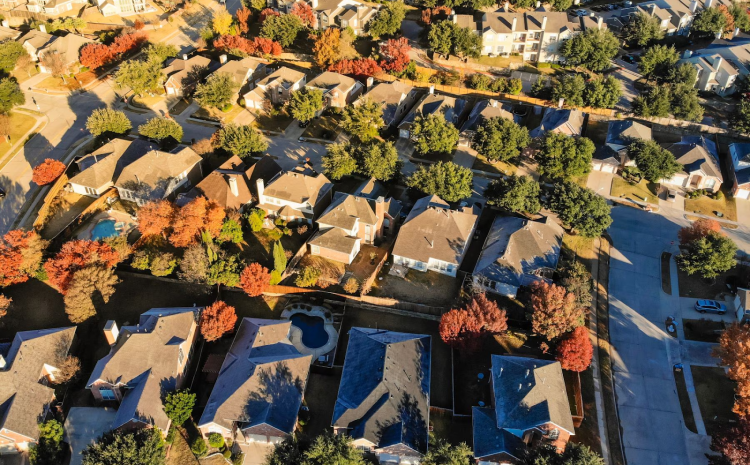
90, 191
710, 183
107, 394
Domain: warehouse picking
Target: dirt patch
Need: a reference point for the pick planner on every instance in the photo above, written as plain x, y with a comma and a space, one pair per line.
430, 287
715, 393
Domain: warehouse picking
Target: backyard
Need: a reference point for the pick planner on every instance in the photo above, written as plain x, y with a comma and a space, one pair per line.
498, 167
428, 287
323, 127
715, 393
258, 246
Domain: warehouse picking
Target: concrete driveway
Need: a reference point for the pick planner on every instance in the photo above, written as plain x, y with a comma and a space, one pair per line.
256, 453
743, 211
600, 182
289, 153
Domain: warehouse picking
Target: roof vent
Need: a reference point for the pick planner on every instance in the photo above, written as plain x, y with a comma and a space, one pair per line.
527, 373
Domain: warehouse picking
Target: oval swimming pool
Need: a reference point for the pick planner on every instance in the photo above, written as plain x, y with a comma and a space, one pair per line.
103, 230
313, 329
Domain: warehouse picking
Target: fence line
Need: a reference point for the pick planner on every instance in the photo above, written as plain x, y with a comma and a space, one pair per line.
47, 202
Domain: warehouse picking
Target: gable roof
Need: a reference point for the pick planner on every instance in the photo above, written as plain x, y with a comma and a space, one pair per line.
298, 187
516, 246
487, 109
697, 153
384, 395
37, 38
451, 108
328, 81
490, 440
334, 239
564, 121
283, 76
346, 209
261, 381
23, 397
7, 33
68, 46
238, 69
105, 164
153, 172
265, 168
433, 230
390, 94
622, 132
217, 185
179, 70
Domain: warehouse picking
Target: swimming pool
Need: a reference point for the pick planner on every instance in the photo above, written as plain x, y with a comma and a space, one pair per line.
313, 329
103, 230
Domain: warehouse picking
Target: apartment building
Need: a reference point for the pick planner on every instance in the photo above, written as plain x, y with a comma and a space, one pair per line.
719, 68
123, 7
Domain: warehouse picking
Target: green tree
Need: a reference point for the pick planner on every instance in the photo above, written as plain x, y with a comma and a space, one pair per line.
642, 29
740, 120
574, 454
10, 95
515, 194
440, 37
255, 219
288, 452
571, 89
738, 10
363, 120
103, 120
479, 81
48, 449
447, 180
378, 159
500, 139
656, 102
338, 162
330, 449
140, 76
160, 51
178, 406
655, 162
388, 20
283, 29
513, 86
541, 89
466, 43
442, 452
683, 74
433, 134
708, 256
593, 49
160, 129
581, 209
564, 157
225, 270
10, 52
603, 92
708, 23
239, 140
561, 5
305, 103
657, 61
217, 91
307, 277
685, 103
231, 231
256, 5
163, 264
139, 447
279, 257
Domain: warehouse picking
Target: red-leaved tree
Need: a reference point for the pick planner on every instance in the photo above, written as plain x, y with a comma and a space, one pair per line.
395, 53
258, 46
73, 256
126, 42
734, 352
575, 351
698, 229
47, 172
155, 218
138, 25
216, 320
255, 279
265, 46
21, 254
554, 310
266, 13
464, 328
193, 219
95, 55
243, 19
733, 443
360, 67
304, 12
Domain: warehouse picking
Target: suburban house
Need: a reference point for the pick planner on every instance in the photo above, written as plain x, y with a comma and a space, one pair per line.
183, 74
242, 71
102, 167
609, 160
518, 252
34, 41
276, 87
397, 98
451, 108
66, 47
124, 7
482, 111
260, 387
301, 195
529, 405
7, 33
145, 361
27, 366
338, 90
159, 175
350, 221
740, 169
343, 14
699, 158
741, 302
434, 237
621, 133
383, 402
718, 68
563, 121
55, 7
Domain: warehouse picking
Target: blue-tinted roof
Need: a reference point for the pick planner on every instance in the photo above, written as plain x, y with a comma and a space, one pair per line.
489, 439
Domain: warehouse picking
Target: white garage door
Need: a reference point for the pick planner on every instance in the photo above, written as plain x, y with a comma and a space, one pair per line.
743, 194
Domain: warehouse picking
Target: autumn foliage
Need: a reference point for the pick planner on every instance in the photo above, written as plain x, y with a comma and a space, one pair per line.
258, 46
243, 19
255, 279
47, 172
437, 13
555, 311
193, 219
360, 67
75, 255
395, 53
20, 256
5, 303
575, 351
733, 442
463, 328
699, 228
95, 55
304, 12
734, 352
216, 320
266, 13
155, 217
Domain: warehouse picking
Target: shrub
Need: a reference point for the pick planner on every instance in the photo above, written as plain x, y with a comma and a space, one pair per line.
351, 286
255, 219
47, 172
216, 440
275, 277
275, 234
199, 447
308, 277
719, 195
163, 264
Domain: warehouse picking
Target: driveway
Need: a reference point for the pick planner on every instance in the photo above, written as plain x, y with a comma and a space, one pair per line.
743, 212
255, 453
600, 182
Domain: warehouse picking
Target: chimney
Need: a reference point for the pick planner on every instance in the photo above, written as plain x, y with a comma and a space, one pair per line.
544, 22
223, 58
493, 102
693, 6
260, 186
560, 102
380, 208
513, 26
314, 3
652, 9
111, 332
432, 88
3, 363
454, 17
687, 54
717, 62
736, 32
538, 4
599, 22
506, 7
708, 3
370, 82
43, 28
233, 185
184, 56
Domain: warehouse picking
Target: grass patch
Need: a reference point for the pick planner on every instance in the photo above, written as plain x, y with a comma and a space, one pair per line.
180, 453
682, 393
703, 330
257, 246
707, 206
276, 123
20, 124
57, 84
666, 276
179, 107
428, 287
498, 167
147, 101
324, 127
579, 247
715, 393
22, 75
215, 114
497, 62
702, 288
642, 192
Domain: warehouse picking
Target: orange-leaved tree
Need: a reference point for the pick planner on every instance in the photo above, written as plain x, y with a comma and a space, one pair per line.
734, 352
266, 13
255, 279
395, 54
193, 219
243, 17
700, 228
155, 218
75, 255
304, 12
328, 47
47, 172
359, 67
575, 351
216, 320
554, 310
21, 254
463, 328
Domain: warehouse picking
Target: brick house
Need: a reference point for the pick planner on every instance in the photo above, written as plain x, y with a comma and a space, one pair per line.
183, 74
699, 158
338, 90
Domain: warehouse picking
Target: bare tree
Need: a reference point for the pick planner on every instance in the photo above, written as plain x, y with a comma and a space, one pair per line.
55, 64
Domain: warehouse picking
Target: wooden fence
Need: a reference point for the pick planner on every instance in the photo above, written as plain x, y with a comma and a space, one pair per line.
92, 209
47, 202
367, 283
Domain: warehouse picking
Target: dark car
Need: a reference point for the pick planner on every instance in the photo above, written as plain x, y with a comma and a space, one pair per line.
710, 306
304, 124
2, 194
628, 59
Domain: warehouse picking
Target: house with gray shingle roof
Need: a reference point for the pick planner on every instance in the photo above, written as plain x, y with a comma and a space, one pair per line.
299, 195
101, 168
67, 47
699, 158
740, 169
276, 88
518, 252
396, 97
338, 90
183, 73
562, 120
260, 387
383, 402
621, 133
482, 111
28, 366
450, 107
529, 406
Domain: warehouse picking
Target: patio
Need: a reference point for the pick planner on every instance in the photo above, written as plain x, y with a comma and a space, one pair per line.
106, 224
302, 315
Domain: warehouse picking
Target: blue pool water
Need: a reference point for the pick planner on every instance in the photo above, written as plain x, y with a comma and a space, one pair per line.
314, 334
103, 230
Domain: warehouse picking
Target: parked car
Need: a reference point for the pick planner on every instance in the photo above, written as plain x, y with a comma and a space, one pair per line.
2, 194
628, 59
671, 195
710, 306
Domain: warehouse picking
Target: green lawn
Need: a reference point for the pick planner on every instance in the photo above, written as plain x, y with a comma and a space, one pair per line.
20, 124
323, 127
498, 62
499, 167
705, 205
715, 393
276, 123
179, 107
642, 192
702, 288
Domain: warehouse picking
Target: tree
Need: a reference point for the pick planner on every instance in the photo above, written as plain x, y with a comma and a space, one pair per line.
738, 10
570, 88
21, 254
447, 180
699, 228
740, 120
656, 102
500, 139
329, 448
255, 219
10, 95
442, 452
255, 279
279, 257
155, 217
708, 23
394, 54
466, 42
256, 5
48, 450
283, 29
363, 120
163, 264
305, 103
565, 157
734, 352
194, 264
514, 193
67, 371
378, 160
216, 320
5, 303
221, 22
10, 52
388, 20
307, 277
305, 13
440, 37
159, 52
217, 91
86, 284
554, 310
160, 128
574, 454
581, 209
140, 447
655, 162
231, 231
242, 141
196, 217
708, 256
359, 67
642, 29
561, 5
178, 406
47, 172
464, 328
603, 92
327, 48
577, 280
351, 286
683, 74
75, 255
657, 61
338, 162
107, 120
593, 49
433, 134
225, 269
733, 443
140, 76
685, 103
575, 351
54, 62
95, 55
288, 452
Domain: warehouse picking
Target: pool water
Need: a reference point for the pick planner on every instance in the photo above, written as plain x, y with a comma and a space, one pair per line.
314, 334
103, 230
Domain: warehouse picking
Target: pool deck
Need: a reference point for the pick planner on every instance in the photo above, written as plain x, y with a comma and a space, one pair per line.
117, 216
295, 334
